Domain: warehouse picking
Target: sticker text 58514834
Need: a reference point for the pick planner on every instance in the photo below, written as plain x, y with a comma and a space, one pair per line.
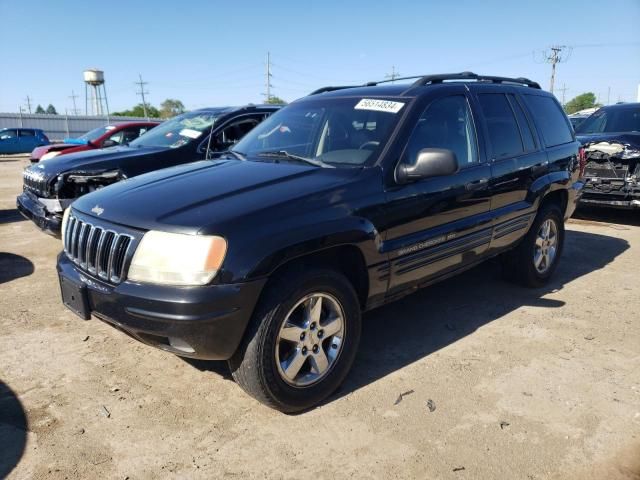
379, 105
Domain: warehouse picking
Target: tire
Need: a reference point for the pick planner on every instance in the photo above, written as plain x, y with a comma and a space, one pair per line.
259, 364
519, 264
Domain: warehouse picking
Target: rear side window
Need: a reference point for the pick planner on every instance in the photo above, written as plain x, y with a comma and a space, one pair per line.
550, 120
504, 134
525, 128
27, 133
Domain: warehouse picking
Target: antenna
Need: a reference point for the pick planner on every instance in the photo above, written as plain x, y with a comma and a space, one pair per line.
393, 75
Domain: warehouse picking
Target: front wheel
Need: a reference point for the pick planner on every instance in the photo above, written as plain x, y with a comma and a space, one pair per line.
534, 260
301, 341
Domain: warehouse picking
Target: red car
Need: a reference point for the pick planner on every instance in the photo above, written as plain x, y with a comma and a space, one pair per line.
101, 137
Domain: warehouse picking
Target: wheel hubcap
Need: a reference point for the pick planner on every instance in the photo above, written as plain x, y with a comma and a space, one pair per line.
310, 340
546, 246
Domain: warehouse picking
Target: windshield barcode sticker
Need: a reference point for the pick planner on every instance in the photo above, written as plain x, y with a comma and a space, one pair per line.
379, 105
187, 132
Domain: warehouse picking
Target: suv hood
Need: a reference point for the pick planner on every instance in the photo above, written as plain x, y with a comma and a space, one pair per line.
198, 196
98, 159
631, 139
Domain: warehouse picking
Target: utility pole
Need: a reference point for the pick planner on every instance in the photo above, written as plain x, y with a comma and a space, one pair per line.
608, 95
28, 99
142, 94
73, 97
268, 76
563, 90
393, 75
555, 56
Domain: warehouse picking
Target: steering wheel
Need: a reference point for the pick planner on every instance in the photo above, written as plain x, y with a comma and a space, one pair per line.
370, 143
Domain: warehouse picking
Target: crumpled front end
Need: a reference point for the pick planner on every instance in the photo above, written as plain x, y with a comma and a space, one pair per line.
612, 175
45, 197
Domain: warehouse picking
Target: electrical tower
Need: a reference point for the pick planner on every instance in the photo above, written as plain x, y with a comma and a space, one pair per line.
142, 93
393, 75
73, 97
556, 54
267, 81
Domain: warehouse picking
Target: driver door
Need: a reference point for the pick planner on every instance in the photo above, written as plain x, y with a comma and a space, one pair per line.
439, 224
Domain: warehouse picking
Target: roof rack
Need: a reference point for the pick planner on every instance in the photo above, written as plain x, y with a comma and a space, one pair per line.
432, 79
440, 78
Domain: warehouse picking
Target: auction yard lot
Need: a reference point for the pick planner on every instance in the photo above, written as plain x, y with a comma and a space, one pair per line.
471, 378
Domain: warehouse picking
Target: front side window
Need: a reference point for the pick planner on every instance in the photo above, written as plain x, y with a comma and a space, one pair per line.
612, 120
233, 133
341, 132
446, 123
504, 134
178, 131
96, 133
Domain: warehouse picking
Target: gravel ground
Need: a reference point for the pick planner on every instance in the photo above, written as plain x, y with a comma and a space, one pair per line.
471, 378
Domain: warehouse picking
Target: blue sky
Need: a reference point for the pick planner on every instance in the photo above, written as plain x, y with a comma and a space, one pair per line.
209, 53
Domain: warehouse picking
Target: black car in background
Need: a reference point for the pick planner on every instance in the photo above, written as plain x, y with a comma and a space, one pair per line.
50, 187
342, 201
611, 141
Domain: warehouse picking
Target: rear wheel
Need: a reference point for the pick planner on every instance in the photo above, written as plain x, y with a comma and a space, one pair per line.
534, 260
301, 341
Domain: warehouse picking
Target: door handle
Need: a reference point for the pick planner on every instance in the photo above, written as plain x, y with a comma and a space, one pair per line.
476, 184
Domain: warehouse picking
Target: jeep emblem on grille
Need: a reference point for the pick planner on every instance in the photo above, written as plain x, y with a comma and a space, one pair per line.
97, 210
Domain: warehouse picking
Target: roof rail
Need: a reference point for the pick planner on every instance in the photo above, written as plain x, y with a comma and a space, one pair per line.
331, 89
440, 78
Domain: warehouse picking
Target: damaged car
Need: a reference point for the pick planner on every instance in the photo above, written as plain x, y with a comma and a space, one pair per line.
50, 187
611, 149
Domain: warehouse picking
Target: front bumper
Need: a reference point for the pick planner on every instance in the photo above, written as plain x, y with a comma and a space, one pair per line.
626, 196
205, 322
30, 208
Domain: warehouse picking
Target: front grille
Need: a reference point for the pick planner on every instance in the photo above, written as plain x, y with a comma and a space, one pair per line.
97, 250
34, 181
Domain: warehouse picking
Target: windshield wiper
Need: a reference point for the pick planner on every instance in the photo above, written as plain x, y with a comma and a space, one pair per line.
235, 153
285, 154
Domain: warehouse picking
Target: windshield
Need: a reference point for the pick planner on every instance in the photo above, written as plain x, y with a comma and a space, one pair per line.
96, 133
328, 131
612, 120
177, 131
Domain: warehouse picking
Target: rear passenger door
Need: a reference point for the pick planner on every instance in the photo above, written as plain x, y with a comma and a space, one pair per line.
27, 139
439, 224
516, 158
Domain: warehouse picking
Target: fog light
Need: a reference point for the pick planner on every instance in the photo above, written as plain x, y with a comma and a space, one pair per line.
181, 345
635, 203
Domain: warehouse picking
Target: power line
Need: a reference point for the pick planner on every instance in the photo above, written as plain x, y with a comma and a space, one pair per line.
142, 94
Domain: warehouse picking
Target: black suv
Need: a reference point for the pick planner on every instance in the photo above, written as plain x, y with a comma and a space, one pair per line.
50, 187
611, 141
344, 200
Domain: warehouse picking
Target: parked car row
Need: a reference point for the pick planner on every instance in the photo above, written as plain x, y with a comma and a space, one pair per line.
275, 228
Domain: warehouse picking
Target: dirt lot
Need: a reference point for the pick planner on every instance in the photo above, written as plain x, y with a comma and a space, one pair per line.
525, 384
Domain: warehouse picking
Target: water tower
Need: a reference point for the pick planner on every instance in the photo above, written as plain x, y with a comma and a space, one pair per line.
95, 92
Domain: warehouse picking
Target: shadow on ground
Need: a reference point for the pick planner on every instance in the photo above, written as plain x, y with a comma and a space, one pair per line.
407, 330
10, 216
609, 215
14, 266
13, 430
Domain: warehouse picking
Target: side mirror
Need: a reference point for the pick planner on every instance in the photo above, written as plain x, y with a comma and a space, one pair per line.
109, 143
431, 162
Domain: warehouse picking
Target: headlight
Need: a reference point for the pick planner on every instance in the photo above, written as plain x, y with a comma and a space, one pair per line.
177, 259
49, 155
65, 217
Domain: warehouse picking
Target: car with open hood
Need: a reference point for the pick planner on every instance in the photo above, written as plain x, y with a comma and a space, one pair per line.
340, 202
50, 186
101, 137
611, 141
